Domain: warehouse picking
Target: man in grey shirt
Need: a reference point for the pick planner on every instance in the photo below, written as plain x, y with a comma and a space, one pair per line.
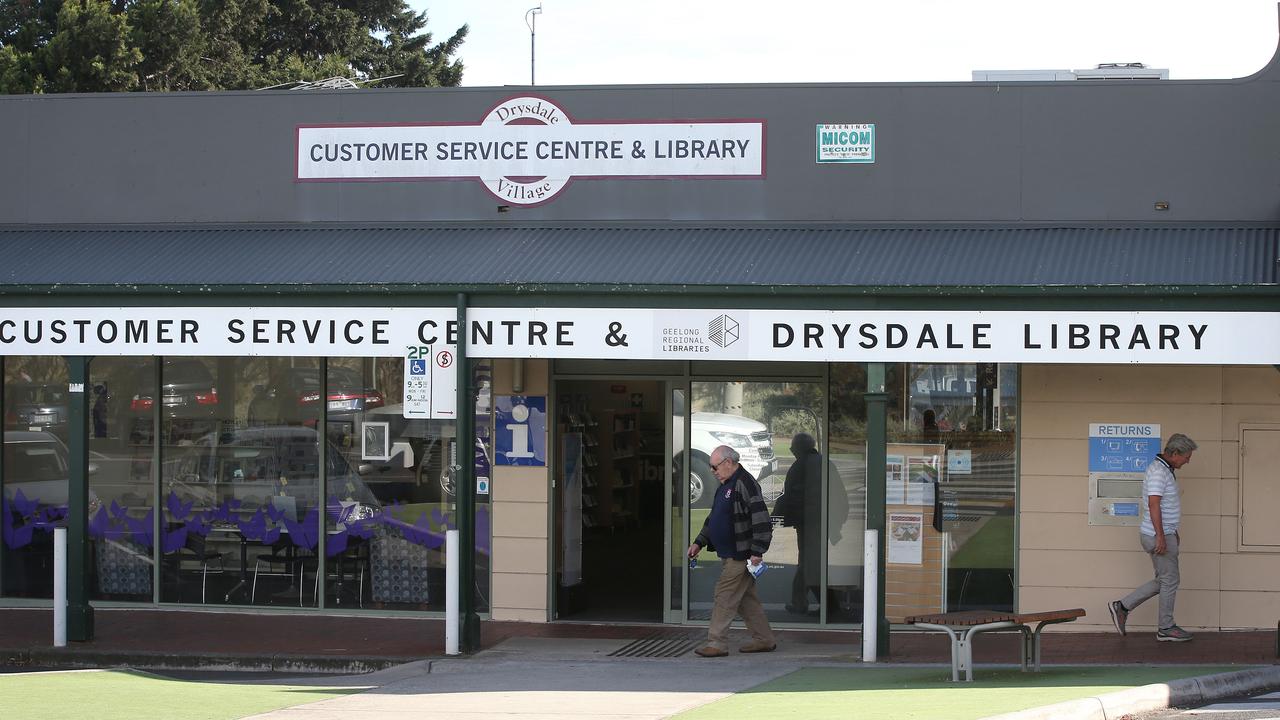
1159, 536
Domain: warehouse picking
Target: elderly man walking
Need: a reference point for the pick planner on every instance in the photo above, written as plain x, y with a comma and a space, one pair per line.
1159, 536
739, 531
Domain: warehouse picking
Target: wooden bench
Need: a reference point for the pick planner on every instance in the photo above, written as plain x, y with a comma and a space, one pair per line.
963, 625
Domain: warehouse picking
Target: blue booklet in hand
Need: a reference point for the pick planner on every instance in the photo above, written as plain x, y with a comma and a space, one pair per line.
757, 570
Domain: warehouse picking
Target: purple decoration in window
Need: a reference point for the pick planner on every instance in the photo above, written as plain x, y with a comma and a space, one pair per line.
303, 534
14, 537
178, 510
175, 539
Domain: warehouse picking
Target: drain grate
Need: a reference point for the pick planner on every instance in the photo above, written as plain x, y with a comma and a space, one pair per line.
659, 645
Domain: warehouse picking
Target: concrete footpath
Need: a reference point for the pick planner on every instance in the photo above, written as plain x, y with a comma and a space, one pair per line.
535, 670
545, 678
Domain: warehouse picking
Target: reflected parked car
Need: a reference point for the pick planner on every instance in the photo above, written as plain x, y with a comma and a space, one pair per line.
38, 465
188, 399
32, 406
294, 396
255, 466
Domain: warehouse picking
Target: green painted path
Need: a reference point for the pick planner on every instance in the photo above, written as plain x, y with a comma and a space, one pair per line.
928, 693
128, 695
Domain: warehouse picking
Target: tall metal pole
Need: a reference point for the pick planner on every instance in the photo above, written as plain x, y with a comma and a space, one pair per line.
465, 490
79, 612
877, 435
531, 19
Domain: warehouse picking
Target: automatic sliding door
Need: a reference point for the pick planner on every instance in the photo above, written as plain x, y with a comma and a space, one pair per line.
777, 430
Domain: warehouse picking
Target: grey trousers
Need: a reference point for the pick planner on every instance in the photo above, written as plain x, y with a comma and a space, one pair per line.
1164, 584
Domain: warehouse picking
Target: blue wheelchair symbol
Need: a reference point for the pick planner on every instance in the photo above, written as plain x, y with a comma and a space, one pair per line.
418, 367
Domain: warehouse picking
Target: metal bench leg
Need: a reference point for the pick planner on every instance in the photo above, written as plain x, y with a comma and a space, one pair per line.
965, 651
1030, 647
957, 657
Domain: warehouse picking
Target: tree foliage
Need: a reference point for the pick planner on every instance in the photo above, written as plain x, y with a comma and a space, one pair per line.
161, 45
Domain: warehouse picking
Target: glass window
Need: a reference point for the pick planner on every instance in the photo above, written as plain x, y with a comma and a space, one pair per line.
953, 432
846, 492
121, 486
33, 500
240, 469
387, 551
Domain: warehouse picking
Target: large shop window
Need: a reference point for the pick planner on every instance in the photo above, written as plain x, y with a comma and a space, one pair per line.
36, 463
236, 449
951, 453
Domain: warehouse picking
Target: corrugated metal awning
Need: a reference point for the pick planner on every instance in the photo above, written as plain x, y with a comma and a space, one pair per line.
751, 256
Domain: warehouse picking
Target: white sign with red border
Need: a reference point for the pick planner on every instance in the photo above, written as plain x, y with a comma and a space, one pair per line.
527, 149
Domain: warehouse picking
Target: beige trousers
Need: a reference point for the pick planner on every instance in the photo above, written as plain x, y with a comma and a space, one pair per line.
736, 595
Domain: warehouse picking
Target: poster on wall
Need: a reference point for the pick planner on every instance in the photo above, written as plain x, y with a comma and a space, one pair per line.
906, 539
895, 491
922, 474
520, 430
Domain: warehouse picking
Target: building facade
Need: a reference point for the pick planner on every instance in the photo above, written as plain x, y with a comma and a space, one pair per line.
255, 326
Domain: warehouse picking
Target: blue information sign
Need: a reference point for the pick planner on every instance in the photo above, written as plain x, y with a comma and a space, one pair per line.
1119, 448
520, 430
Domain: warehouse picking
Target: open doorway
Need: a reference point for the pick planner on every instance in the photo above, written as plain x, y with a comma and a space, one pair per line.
610, 480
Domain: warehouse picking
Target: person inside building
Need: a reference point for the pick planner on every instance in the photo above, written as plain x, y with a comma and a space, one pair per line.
738, 530
800, 506
1159, 536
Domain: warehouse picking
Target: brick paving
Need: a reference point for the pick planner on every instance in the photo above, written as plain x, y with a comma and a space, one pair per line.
120, 633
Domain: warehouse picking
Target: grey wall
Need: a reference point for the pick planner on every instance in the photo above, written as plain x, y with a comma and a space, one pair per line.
1068, 152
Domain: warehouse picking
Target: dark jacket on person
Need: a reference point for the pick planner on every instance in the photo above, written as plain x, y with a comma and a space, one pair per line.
752, 531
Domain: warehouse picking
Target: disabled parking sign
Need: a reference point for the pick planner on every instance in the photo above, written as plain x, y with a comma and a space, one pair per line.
430, 382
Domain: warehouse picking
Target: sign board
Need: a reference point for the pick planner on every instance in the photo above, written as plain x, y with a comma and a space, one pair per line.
1119, 454
847, 143
906, 539
520, 430
526, 149
925, 336
430, 382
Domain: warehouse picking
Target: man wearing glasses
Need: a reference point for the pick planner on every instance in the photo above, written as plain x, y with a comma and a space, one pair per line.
738, 530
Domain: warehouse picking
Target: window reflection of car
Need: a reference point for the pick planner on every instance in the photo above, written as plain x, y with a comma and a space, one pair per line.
31, 406
188, 398
250, 466
294, 396
37, 465
752, 440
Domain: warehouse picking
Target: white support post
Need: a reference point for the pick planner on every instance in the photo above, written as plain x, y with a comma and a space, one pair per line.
870, 593
59, 587
451, 614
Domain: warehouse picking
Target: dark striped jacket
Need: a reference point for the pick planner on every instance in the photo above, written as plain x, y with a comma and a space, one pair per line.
752, 531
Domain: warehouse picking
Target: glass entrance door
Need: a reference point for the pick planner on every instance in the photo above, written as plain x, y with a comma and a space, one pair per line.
778, 430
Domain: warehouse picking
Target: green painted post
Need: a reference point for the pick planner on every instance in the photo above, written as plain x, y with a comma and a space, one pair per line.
877, 437
79, 611
465, 492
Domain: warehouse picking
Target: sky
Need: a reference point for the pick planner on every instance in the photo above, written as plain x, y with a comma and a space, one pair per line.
608, 42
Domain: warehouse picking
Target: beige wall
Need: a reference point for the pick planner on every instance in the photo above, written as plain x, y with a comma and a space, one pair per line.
1065, 562
519, 504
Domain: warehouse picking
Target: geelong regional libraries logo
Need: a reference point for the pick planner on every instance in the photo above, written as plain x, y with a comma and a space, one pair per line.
525, 150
